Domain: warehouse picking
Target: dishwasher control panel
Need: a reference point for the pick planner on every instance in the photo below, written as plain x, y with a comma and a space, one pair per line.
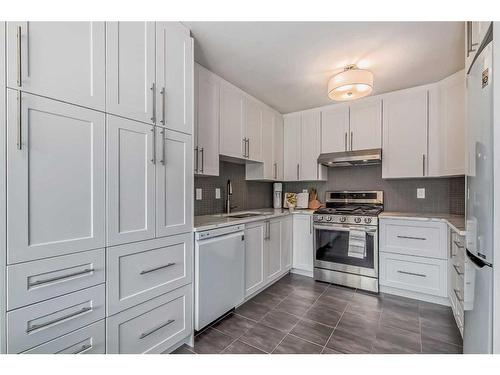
219, 232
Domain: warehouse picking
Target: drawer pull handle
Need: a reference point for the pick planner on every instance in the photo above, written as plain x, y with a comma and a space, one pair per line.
82, 349
413, 274
413, 238
157, 268
45, 281
153, 330
69, 316
457, 269
457, 294
457, 244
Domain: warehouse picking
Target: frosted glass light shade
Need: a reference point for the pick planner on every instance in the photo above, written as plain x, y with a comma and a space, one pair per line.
352, 83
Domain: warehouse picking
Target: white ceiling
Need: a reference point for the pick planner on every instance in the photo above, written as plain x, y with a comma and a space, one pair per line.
287, 64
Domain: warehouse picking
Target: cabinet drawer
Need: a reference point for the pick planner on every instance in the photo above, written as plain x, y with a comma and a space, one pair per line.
414, 237
423, 275
48, 278
87, 340
153, 326
140, 271
36, 324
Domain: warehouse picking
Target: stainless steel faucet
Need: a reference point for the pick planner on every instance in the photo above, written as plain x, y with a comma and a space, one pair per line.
229, 192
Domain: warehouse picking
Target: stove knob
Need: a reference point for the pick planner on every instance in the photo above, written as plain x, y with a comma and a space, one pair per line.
368, 220
319, 218
328, 218
357, 220
343, 219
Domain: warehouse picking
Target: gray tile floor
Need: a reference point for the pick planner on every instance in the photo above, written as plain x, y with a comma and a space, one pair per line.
298, 315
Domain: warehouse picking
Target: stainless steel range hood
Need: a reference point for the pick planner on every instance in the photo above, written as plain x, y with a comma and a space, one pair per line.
351, 158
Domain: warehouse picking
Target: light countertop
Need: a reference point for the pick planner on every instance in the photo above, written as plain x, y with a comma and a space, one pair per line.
455, 222
207, 222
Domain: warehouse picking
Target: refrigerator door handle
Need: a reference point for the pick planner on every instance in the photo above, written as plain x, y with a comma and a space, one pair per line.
476, 260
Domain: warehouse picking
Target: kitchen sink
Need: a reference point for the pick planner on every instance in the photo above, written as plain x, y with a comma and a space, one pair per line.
243, 215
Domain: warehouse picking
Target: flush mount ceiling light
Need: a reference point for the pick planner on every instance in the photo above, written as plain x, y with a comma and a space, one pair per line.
352, 83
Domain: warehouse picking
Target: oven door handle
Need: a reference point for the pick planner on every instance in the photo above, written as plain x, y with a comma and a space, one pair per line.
345, 228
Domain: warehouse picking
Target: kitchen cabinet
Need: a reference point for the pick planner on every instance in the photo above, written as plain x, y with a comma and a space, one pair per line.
56, 178
58, 60
253, 129
274, 248
292, 132
278, 146
233, 141
475, 32
287, 243
255, 256
206, 125
130, 70
447, 126
174, 183
310, 135
405, 134
130, 181
335, 128
365, 124
303, 244
456, 278
3, 203
174, 77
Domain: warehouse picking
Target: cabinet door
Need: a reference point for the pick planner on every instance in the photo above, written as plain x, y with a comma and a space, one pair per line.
274, 248
253, 126
365, 124
130, 181
291, 147
174, 183
303, 243
2, 187
254, 257
130, 69
287, 242
405, 134
231, 122
278, 146
207, 122
174, 77
447, 127
335, 128
59, 60
269, 165
56, 178
310, 138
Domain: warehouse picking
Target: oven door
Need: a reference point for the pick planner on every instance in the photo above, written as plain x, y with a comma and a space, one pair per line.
331, 249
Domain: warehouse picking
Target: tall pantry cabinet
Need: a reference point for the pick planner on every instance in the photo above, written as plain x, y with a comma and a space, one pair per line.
98, 146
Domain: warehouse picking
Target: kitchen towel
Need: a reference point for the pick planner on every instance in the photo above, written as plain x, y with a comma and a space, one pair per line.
357, 244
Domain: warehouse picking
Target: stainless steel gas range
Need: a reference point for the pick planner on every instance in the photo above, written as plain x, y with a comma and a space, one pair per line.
346, 239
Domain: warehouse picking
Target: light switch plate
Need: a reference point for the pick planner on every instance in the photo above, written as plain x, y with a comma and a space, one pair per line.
217, 193
198, 194
421, 193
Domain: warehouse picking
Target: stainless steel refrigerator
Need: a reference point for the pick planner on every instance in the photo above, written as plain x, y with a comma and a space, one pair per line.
478, 294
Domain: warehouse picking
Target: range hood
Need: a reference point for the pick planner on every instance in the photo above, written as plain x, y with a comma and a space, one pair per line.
351, 158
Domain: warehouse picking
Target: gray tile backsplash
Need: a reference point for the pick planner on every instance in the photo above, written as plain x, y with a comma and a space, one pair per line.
445, 195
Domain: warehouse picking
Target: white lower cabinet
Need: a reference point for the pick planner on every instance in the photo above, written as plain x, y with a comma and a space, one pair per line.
274, 247
87, 340
255, 234
456, 279
151, 327
303, 244
287, 243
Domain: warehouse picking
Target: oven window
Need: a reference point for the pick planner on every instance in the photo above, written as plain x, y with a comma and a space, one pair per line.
333, 246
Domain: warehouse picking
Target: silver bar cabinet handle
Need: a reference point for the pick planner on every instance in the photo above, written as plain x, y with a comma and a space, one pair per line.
413, 238
244, 147
412, 274
46, 281
163, 158
248, 147
82, 349
202, 151
423, 164
458, 244
275, 171
352, 136
345, 141
153, 90
19, 57
196, 159
298, 172
19, 122
457, 294
157, 268
153, 144
163, 99
72, 315
457, 269
153, 330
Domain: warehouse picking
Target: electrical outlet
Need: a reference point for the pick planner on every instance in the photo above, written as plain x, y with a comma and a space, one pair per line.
198, 194
217, 193
421, 193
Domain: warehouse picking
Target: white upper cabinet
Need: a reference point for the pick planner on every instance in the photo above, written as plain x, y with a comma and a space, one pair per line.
335, 128
365, 124
59, 60
292, 144
278, 147
174, 183
405, 134
310, 136
268, 142
174, 77
253, 129
130, 69
447, 126
56, 184
130, 181
232, 136
206, 127
475, 32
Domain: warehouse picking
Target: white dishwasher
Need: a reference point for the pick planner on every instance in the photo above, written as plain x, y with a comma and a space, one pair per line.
219, 273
